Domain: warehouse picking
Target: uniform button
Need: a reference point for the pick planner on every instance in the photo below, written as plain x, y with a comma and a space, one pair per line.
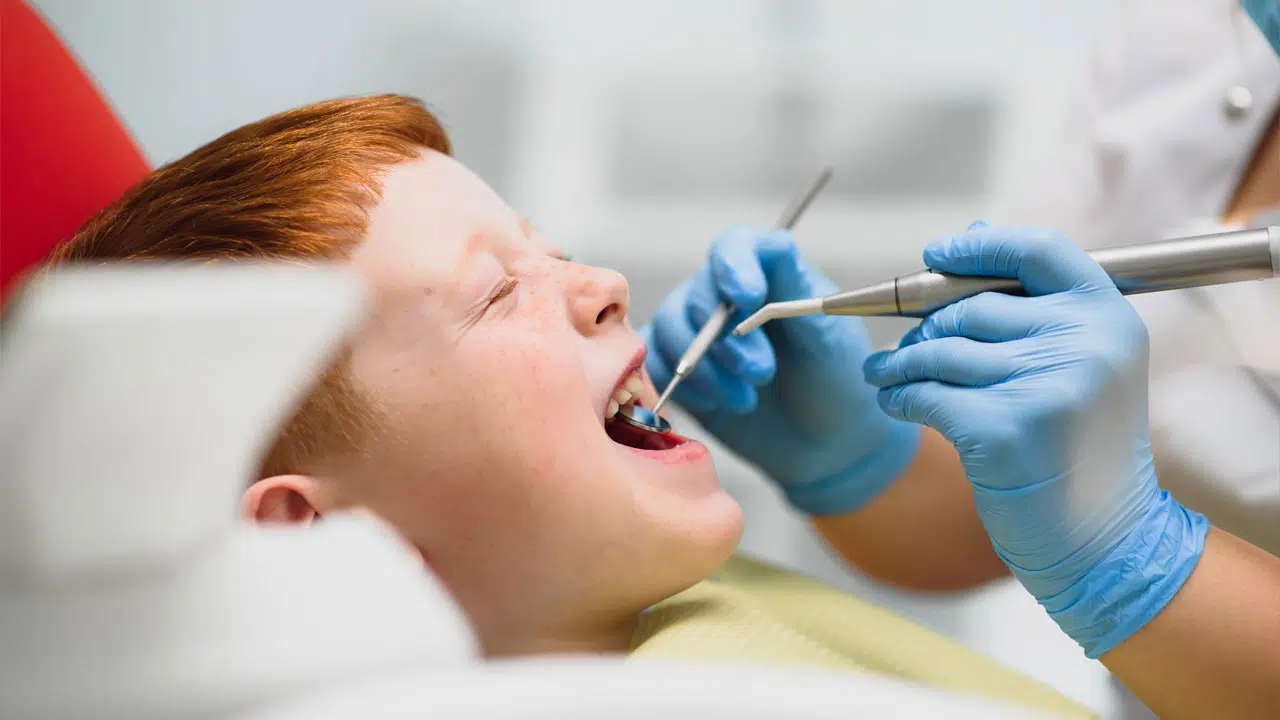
1237, 102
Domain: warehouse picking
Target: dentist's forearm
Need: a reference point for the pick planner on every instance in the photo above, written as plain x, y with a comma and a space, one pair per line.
923, 531
1214, 650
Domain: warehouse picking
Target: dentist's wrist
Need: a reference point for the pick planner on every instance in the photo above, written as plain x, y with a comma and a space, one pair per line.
1133, 583
862, 482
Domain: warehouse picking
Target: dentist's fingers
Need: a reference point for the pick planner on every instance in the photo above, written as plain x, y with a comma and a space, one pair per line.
737, 263
911, 337
952, 360
1043, 260
931, 403
750, 357
738, 274
790, 276
989, 317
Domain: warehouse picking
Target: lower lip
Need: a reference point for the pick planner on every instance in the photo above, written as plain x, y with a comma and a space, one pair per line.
687, 452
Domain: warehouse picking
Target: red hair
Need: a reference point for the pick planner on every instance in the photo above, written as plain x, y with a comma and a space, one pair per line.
296, 186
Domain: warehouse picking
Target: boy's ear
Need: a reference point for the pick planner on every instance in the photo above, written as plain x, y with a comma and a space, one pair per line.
286, 499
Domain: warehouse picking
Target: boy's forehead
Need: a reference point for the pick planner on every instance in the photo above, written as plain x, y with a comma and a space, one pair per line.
434, 218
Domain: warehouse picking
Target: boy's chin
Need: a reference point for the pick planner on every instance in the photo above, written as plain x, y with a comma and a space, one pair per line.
703, 537
731, 531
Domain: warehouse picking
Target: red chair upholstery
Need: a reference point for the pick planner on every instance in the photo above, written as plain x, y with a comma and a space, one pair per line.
63, 153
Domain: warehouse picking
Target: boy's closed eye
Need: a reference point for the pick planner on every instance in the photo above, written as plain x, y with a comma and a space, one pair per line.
507, 287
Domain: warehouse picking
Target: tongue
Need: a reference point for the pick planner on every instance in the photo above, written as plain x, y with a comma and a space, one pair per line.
626, 434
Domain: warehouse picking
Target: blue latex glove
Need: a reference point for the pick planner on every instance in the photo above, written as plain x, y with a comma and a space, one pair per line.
1045, 398
1266, 15
789, 397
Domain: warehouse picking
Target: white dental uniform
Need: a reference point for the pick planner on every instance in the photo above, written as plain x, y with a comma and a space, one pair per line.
1180, 94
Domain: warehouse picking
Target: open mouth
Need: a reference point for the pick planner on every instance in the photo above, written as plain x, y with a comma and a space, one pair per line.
625, 433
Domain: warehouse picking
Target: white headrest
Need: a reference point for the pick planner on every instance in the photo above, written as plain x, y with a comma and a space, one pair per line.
136, 401
134, 404
259, 615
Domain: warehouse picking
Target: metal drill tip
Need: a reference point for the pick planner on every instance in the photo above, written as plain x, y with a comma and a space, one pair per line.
773, 311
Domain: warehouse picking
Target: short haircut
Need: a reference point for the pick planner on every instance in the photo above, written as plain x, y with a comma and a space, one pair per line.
294, 187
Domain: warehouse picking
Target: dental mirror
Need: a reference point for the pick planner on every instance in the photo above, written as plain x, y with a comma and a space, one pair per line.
643, 419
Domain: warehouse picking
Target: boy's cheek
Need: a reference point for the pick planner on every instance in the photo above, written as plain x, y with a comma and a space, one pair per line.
534, 362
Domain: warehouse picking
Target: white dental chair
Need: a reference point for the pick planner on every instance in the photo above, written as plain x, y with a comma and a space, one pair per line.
133, 406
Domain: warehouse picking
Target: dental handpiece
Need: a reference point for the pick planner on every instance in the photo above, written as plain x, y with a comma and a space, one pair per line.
649, 419
1188, 262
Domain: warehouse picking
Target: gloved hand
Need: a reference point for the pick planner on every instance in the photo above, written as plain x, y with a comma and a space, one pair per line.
1045, 398
789, 397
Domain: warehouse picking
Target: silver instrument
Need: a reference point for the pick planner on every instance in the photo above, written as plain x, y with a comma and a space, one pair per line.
1188, 262
650, 420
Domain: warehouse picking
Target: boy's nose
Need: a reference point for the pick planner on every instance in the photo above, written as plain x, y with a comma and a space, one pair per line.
598, 299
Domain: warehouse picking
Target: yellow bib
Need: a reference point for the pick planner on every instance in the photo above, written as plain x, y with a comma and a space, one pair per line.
755, 612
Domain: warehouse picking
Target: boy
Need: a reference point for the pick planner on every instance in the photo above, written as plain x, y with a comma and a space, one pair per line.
473, 412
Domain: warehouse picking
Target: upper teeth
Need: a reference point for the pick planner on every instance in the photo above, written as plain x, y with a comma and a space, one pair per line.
624, 395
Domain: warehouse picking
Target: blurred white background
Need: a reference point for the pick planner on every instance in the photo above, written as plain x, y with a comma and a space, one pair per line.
631, 132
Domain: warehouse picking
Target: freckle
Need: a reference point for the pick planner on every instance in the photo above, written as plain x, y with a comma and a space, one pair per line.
428, 291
